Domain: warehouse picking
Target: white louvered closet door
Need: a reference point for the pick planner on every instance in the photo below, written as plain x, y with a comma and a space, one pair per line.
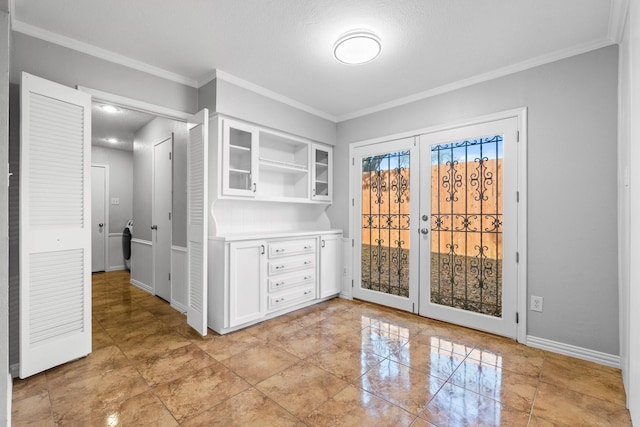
197, 230
55, 225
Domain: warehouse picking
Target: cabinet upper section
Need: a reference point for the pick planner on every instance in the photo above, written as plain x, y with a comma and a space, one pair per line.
262, 164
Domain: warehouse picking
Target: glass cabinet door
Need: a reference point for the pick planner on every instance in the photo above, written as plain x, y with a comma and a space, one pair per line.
321, 166
240, 159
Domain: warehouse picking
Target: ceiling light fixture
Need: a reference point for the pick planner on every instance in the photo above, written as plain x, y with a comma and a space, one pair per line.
112, 140
109, 108
357, 47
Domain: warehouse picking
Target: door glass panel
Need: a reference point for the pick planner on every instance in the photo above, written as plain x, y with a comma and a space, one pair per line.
385, 223
466, 225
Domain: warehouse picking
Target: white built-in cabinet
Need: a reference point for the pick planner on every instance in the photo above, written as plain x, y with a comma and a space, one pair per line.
261, 278
265, 164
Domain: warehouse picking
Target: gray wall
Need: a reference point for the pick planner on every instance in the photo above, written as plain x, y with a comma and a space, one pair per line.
232, 100
572, 226
157, 131
14, 224
71, 68
5, 379
120, 184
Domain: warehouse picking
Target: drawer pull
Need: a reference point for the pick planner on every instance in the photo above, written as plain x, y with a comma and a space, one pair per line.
280, 283
307, 292
279, 267
279, 250
279, 300
307, 262
307, 277
307, 247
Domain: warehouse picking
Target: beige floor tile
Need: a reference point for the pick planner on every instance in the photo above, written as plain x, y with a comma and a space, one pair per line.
195, 393
433, 361
345, 363
140, 348
407, 388
301, 388
563, 407
222, 347
307, 341
260, 363
249, 408
589, 378
455, 406
34, 410
356, 407
511, 389
510, 355
96, 364
29, 386
173, 364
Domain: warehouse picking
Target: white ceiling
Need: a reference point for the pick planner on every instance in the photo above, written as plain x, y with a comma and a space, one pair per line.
285, 46
121, 125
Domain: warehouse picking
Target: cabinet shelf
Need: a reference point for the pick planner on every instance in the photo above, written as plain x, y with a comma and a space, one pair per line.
242, 171
239, 147
284, 167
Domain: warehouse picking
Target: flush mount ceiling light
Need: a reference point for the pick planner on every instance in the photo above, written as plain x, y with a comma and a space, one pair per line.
109, 108
112, 140
357, 47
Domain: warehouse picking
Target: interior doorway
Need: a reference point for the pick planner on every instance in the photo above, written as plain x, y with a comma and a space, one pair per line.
99, 216
437, 224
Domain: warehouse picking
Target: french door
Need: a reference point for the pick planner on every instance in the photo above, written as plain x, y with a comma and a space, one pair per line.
438, 225
386, 203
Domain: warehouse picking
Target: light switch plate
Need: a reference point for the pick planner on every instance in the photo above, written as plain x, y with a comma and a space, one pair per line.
115, 200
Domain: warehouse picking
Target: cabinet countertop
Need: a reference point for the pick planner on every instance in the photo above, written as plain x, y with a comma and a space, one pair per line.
273, 235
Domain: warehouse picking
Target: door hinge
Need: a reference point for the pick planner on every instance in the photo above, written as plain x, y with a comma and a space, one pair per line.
353, 161
517, 317
353, 202
517, 136
517, 256
169, 216
517, 196
352, 283
169, 276
413, 309
353, 243
169, 155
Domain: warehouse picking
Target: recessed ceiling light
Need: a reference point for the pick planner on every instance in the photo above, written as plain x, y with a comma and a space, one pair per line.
357, 47
109, 108
112, 140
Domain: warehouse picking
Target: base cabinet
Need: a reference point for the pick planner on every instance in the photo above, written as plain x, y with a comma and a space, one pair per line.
257, 279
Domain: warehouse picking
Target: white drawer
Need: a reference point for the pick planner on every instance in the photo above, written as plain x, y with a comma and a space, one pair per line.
285, 282
291, 264
291, 297
291, 247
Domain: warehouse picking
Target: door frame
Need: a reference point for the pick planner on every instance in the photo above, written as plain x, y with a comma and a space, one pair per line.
521, 115
106, 212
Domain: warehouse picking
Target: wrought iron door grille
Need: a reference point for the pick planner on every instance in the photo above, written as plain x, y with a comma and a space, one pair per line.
466, 225
385, 223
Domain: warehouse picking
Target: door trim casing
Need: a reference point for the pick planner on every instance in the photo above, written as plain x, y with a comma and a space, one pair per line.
106, 212
521, 115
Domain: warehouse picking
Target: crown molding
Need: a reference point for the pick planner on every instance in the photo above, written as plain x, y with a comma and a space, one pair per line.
229, 78
500, 72
107, 55
617, 19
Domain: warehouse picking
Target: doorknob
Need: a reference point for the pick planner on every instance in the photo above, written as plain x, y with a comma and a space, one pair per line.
425, 217
101, 225
424, 230
154, 227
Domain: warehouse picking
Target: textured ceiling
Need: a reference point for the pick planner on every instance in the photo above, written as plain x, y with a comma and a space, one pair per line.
285, 46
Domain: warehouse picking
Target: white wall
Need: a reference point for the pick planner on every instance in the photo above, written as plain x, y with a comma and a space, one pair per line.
572, 200
5, 379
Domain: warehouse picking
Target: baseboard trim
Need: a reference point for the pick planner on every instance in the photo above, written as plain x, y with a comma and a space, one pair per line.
14, 370
181, 308
142, 286
116, 268
574, 351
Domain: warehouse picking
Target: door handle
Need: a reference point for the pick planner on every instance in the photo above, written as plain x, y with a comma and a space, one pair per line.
154, 227
101, 225
425, 217
424, 230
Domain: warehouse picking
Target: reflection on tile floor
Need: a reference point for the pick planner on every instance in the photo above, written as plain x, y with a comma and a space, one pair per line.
339, 363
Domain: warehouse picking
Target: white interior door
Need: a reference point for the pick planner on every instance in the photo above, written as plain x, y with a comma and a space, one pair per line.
99, 231
55, 225
386, 207
161, 218
468, 220
197, 219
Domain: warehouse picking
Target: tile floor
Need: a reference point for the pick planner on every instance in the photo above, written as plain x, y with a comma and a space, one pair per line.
340, 363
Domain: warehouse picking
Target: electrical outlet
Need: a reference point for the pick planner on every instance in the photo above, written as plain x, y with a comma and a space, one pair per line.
115, 200
536, 303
